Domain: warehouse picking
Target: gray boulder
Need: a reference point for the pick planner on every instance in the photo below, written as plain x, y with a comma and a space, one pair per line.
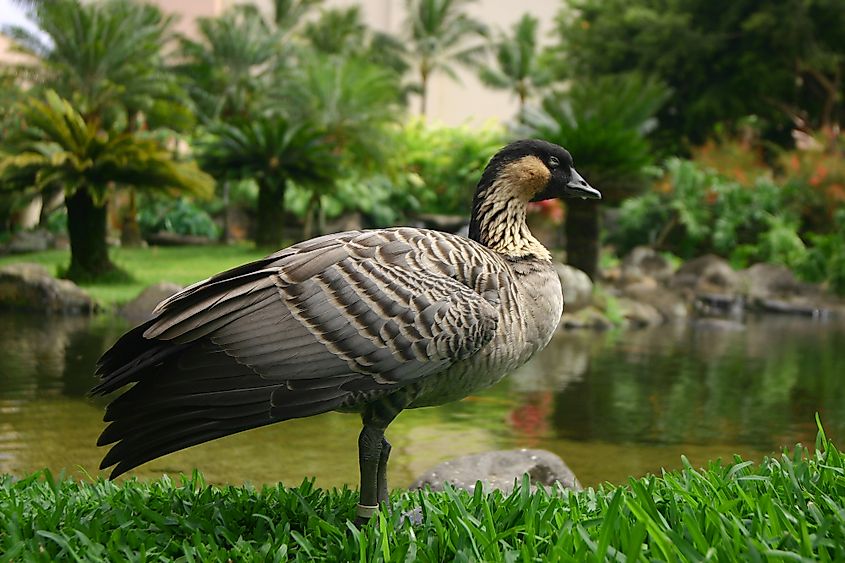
577, 287
668, 303
708, 273
30, 287
645, 262
499, 470
29, 241
639, 315
141, 308
719, 305
589, 317
770, 281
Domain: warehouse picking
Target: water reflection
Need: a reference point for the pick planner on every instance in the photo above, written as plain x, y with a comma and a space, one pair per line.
611, 404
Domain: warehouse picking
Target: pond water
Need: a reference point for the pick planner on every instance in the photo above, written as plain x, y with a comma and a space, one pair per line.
611, 404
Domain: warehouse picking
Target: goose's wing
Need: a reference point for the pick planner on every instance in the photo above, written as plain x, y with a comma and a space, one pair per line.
331, 322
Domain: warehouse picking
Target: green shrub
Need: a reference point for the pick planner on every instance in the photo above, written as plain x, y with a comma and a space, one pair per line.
175, 216
696, 210
431, 169
825, 259
439, 167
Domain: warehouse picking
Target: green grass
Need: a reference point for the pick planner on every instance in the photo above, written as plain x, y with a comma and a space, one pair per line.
182, 265
791, 507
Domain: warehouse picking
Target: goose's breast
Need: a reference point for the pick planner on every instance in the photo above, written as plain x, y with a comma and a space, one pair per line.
529, 314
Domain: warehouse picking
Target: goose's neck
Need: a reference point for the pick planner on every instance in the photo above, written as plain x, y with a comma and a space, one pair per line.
498, 222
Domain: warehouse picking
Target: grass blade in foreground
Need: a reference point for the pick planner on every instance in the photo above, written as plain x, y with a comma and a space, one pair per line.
789, 507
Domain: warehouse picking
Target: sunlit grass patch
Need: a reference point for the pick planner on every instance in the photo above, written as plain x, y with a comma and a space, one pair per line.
787, 507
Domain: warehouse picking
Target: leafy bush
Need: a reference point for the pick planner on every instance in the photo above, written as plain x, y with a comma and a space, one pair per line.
376, 196
815, 173
176, 216
431, 169
825, 259
695, 210
439, 166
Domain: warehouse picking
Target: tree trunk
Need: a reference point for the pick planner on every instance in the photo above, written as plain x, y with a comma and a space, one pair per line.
582, 235
130, 230
226, 235
423, 91
86, 226
271, 213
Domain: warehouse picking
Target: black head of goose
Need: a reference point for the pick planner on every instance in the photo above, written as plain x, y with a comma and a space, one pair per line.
371, 321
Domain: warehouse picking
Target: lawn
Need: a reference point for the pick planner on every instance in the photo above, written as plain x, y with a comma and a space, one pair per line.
182, 265
791, 507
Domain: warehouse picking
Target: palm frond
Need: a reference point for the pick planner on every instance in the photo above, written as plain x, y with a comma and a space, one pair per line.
604, 124
59, 147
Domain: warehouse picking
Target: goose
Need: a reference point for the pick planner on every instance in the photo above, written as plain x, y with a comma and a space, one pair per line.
370, 322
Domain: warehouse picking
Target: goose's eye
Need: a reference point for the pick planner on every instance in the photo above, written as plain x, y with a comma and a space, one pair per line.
553, 162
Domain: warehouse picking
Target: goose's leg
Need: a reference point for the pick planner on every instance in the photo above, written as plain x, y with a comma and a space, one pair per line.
382, 497
370, 446
373, 453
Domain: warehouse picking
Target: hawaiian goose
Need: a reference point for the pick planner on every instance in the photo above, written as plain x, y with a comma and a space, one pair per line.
364, 321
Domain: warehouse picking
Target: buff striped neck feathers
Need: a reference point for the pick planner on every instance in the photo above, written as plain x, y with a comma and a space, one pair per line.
522, 172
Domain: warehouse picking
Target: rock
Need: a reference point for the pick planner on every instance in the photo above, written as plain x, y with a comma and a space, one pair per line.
577, 288
589, 317
645, 262
140, 309
669, 304
800, 307
643, 285
707, 273
638, 314
719, 305
767, 281
165, 238
498, 470
29, 241
30, 287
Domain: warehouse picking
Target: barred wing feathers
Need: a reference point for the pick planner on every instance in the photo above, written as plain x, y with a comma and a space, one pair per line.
332, 322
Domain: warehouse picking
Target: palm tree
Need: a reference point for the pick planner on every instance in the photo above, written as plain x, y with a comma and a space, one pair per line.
342, 32
227, 67
288, 14
353, 101
438, 37
58, 147
516, 68
604, 123
272, 151
105, 56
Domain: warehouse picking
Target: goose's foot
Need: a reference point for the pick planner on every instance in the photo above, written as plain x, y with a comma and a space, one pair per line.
363, 514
